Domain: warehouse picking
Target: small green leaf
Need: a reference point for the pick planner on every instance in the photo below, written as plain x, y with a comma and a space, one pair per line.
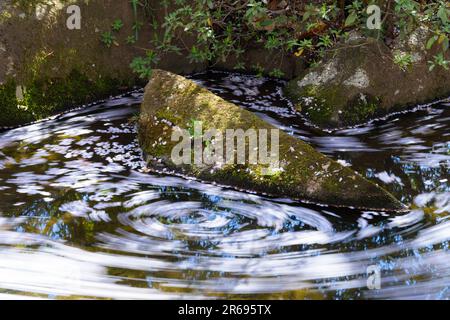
445, 44
351, 19
266, 23
210, 4
306, 16
442, 14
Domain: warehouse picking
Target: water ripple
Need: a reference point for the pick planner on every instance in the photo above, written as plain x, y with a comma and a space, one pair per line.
81, 218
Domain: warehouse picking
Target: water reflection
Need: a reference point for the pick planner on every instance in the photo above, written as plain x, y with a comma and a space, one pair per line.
81, 217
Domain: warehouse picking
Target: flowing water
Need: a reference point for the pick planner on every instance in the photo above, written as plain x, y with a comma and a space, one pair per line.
81, 218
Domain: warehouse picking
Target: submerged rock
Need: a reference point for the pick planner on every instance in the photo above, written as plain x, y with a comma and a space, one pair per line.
360, 80
175, 104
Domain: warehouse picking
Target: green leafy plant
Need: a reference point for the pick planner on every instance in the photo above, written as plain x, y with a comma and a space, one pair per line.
276, 73
108, 38
117, 25
403, 59
325, 41
258, 69
143, 66
440, 61
131, 40
226, 28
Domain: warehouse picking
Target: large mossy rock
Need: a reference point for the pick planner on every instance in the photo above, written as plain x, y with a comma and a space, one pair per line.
358, 81
173, 102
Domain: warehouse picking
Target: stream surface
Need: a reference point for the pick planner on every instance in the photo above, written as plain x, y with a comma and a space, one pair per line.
81, 218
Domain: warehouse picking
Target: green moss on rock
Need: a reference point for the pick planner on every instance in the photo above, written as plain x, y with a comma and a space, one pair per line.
43, 97
360, 109
172, 101
47, 96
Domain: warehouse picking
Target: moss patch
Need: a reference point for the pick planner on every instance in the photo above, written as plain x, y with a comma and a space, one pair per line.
361, 108
44, 97
12, 114
323, 106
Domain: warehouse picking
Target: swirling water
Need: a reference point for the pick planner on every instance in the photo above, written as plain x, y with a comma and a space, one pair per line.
81, 218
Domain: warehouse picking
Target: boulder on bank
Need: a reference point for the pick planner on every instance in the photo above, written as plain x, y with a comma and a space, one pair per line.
359, 80
172, 102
